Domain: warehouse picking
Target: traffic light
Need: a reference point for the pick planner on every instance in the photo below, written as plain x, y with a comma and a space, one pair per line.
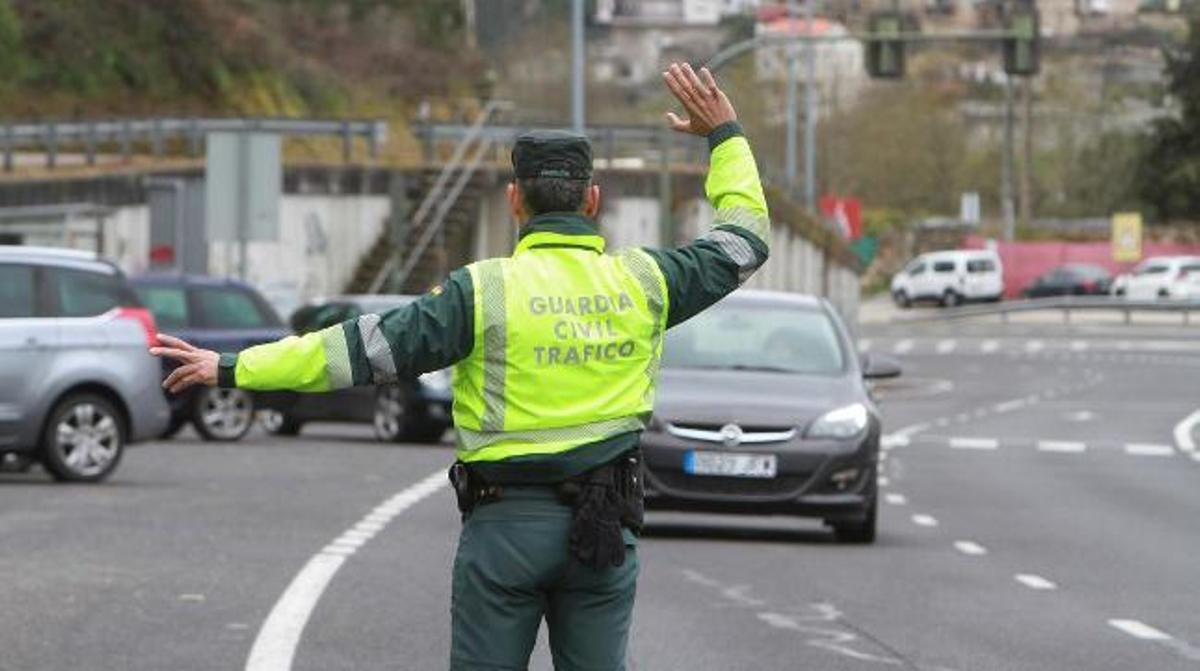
1023, 50
885, 49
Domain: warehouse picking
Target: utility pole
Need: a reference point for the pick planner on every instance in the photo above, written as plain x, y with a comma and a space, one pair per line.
1007, 205
810, 112
1027, 153
578, 77
789, 163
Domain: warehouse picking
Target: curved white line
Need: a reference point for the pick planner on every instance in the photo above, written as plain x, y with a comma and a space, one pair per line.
1184, 430
275, 647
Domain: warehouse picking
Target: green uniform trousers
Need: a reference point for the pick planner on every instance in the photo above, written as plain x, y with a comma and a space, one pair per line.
513, 568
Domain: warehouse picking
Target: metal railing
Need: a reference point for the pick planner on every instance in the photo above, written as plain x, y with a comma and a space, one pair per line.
1066, 304
51, 137
444, 197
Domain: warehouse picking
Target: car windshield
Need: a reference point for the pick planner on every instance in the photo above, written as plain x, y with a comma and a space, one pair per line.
751, 337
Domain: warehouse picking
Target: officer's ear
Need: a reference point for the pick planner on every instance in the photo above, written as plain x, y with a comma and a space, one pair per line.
516, 202
591, 200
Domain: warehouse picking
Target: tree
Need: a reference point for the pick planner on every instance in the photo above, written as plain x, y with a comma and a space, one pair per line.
1169, 176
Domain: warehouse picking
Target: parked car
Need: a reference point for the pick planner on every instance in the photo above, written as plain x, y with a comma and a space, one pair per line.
415, 410
1168, 277
950, 278
1074, 279
218, 314
77, 384
764, 408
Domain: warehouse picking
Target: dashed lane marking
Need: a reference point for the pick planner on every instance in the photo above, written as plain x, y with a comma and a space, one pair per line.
903, 346
1079, 345
974, 443
1140, 630
1034, 346
925, 520
895, 499
1009, 406
1066, 446
989, 346
946, 346
1034, 581
970, 548
1149, 450
275, 647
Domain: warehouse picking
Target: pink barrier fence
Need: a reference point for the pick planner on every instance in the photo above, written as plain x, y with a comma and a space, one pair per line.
1025, 261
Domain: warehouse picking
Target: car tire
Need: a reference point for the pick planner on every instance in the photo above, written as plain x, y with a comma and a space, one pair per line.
859, 533
390, 419
951, 299
279, 423
84, 439
902, 300
222, 415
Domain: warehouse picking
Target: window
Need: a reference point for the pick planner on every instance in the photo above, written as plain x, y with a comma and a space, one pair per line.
981, 266
919, 268
944, 267
228, 308
735, 337
167, 304
1151, 269
16, 291
87, 294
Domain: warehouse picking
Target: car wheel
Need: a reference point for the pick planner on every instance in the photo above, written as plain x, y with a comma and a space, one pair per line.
859, 532
223, 414
84, 439
902, 300
951, 299
279, 423
390, 419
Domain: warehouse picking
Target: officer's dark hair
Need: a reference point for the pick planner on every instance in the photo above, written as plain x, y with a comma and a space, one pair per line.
553, 194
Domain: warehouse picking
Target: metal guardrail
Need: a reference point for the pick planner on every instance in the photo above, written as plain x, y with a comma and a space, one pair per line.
51, 137
1067, 304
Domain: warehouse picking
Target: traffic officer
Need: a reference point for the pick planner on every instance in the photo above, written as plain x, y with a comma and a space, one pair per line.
556, 351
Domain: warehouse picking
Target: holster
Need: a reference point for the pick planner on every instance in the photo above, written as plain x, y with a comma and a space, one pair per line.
603, 501
470, 490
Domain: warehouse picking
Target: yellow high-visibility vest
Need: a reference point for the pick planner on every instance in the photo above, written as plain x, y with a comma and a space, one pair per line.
568, 342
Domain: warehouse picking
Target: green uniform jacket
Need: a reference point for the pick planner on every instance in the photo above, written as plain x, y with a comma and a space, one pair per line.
437, 330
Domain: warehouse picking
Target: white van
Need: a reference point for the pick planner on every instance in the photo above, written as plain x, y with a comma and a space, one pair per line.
950, 278
1167, 277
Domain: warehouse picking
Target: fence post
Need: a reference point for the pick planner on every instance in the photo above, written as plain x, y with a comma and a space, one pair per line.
156, 138
8, 147
347, 142
52, 146
90, 143
194, 137
126, 140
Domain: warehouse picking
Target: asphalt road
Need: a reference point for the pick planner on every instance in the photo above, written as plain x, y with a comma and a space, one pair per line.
1039, 513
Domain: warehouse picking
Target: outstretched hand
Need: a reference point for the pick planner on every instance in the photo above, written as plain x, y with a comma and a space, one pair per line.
196, 366
706, 104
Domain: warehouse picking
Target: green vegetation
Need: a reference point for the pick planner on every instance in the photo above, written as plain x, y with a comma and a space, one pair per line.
65, 58
1169, 180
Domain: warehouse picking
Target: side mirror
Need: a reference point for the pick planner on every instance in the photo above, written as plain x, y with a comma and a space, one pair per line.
878, 367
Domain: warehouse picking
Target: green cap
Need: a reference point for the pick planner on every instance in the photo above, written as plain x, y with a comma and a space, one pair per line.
552, 153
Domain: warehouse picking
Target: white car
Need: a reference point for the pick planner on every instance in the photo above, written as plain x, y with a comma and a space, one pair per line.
1170, 277
950, 278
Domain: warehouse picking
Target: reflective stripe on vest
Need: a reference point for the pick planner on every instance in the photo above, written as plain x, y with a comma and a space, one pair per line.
568, 343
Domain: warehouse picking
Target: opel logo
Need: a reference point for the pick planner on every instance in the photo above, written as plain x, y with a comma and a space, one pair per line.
731, 435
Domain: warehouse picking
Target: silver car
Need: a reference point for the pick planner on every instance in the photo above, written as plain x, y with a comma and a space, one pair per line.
76, 381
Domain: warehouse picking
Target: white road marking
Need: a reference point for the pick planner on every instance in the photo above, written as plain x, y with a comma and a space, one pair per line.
1140, 630
925, 520
895, 499
275, 646
1034, 581
892, 440
1061, 446
883, 482
1081, 416
864, 345
1034, 346
1184, 431
970, 548
1008, 406
989, 346
903, 346
974, 443
1079, 345
946, 346
1149, 450
1124, 345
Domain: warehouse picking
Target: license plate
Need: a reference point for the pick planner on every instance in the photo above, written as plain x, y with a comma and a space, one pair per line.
729, 464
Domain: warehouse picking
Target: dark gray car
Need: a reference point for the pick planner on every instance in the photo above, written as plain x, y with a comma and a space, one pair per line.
763, 408
77, 383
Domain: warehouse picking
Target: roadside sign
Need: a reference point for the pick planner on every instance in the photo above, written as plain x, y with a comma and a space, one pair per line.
244, 177
1127, 236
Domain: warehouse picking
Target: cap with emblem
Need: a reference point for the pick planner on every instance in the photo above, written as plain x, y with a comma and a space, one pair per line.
552, 153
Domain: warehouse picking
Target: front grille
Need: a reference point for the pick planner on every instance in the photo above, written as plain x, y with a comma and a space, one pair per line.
716, 433
715, 485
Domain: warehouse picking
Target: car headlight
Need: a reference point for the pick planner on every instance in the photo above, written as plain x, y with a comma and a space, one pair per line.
438, 380
844, 422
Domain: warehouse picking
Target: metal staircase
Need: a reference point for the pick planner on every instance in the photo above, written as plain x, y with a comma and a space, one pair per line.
440, 225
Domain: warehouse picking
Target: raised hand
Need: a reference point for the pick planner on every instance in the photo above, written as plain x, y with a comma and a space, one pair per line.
196, 366
706, 104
